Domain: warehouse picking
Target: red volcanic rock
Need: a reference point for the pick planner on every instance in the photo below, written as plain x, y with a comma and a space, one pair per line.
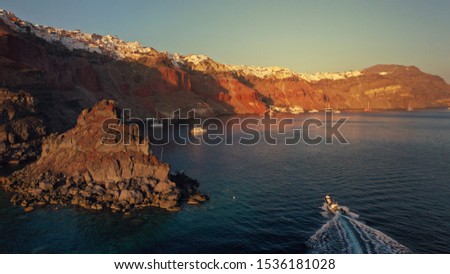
224, 97
66, 80
87, 166
241, 97
387, 87
87, 77
173, 80
82, 151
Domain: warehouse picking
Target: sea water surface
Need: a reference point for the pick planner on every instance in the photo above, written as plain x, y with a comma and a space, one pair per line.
393, 177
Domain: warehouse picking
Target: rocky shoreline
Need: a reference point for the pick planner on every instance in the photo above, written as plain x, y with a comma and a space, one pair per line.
57, 189
75, 168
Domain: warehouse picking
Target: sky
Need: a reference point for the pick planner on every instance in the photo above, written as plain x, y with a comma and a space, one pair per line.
304, 36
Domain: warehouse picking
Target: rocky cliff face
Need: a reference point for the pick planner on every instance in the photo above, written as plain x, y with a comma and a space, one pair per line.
70, 70
79, 167
21, 128
387, 87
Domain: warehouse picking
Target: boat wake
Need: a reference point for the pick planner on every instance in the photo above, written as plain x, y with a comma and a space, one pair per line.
343, 234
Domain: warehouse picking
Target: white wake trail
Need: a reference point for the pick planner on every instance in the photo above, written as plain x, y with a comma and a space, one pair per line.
343, 233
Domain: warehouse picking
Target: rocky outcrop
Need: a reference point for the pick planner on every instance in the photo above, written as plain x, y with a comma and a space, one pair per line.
21, 129
89, 167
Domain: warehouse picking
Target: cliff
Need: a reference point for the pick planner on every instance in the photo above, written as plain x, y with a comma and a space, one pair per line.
67, 71
21, 127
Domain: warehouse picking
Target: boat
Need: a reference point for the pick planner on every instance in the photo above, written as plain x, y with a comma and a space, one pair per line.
330, 110
337, 111
367, 109
409, 108
198, 130
313, 111
157, 121
332, 206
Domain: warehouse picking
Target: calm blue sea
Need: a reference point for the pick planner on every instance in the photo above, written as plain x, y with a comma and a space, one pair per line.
393, 176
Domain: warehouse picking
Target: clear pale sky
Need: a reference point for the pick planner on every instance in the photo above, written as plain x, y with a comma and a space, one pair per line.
305, 36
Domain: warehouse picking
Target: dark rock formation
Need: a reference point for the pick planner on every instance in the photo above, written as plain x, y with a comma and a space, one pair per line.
81, 167
21, 128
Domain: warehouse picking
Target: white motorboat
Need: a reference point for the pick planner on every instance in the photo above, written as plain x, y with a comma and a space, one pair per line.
198, 130
157, 121
332, 206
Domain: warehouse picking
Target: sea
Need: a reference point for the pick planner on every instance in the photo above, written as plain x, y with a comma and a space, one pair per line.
392, 177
